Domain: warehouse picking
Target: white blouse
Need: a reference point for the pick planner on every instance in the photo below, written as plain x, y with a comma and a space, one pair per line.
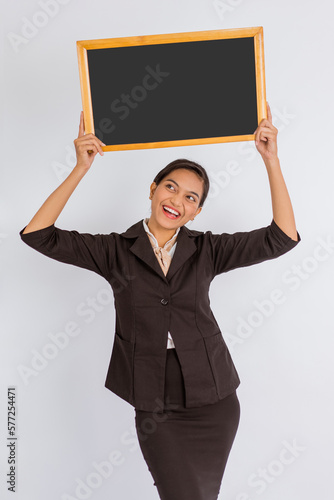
170, 342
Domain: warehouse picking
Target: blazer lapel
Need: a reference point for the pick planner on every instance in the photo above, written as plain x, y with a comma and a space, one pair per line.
184, 250
142, 248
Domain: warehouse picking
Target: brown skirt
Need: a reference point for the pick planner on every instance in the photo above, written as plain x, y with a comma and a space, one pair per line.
186, 449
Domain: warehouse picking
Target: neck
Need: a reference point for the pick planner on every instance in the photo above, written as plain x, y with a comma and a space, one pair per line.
161, 234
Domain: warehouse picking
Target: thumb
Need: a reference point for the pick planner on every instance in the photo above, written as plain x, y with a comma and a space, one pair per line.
81, 126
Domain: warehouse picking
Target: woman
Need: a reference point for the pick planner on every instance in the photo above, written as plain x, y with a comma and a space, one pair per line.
169, 359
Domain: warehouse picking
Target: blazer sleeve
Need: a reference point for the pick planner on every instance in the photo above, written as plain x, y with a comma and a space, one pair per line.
229, 251
95, 252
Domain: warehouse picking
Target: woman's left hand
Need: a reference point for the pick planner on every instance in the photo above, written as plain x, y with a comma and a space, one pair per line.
266, 137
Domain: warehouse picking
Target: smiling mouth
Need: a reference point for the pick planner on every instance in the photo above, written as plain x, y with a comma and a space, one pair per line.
170, 212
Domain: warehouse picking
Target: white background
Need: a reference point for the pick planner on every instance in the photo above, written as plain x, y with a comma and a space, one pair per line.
66, 419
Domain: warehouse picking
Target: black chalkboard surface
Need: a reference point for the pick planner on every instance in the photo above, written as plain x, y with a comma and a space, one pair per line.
173, 90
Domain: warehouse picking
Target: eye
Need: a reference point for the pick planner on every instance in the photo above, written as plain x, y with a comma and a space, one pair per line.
170, 185
190, 196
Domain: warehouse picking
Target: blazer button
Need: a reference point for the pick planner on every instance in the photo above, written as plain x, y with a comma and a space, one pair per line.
164, 302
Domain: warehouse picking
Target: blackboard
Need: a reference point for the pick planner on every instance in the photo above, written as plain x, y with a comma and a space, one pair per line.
173, 90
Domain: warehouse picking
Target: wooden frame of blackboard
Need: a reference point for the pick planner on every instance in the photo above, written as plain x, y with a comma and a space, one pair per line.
83, 46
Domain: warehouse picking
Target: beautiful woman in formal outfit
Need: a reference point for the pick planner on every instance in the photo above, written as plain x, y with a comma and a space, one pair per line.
169, 358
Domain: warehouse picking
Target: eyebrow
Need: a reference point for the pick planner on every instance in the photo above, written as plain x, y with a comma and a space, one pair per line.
193, 192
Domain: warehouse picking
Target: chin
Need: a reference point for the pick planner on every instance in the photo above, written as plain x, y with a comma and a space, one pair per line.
166, 222
169, 223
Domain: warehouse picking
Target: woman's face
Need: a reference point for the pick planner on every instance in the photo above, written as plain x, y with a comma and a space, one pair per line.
179, 191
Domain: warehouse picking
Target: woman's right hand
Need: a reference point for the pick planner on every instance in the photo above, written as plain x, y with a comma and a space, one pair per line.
86, 147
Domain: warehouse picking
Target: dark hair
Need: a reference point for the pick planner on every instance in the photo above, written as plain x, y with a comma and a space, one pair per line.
189, 165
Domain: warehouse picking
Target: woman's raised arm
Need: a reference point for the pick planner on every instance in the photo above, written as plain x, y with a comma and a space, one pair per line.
52, 207
266, 144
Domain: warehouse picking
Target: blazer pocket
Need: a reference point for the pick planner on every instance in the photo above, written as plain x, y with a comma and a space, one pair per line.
222, 366
120, 372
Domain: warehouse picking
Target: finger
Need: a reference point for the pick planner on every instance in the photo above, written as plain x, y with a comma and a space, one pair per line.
267, 129
98, 144
88, 140
270, 118
92, 144
81, 126
264, 134
266, 123
91, 149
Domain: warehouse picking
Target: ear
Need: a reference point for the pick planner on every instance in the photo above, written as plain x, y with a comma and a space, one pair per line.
198, 211
153, 187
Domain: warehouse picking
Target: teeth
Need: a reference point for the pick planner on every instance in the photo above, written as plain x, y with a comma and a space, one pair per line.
171, 210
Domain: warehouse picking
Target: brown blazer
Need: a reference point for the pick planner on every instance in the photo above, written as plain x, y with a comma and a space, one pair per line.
148, 303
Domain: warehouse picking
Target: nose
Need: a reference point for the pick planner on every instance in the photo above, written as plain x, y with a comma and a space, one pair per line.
176, 200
